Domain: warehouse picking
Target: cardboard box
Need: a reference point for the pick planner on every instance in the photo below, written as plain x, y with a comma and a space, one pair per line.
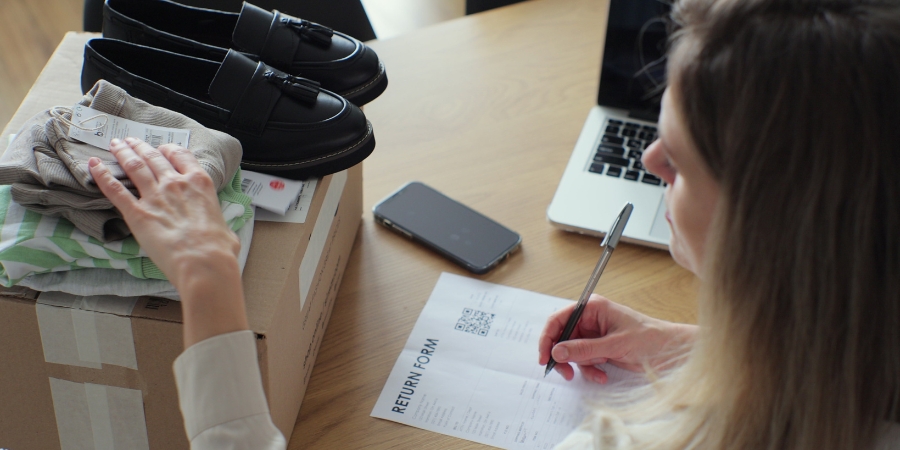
96, 372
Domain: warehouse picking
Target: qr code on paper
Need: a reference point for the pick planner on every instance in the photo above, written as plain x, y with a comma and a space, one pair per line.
475, 322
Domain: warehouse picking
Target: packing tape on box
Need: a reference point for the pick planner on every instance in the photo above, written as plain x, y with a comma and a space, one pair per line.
319, 235
86, 331
94, 416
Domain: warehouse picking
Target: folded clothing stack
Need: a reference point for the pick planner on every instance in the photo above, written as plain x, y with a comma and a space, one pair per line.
99, 281
49, 172
54, 218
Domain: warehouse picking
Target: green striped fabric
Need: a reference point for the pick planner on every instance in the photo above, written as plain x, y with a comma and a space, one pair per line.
31, 243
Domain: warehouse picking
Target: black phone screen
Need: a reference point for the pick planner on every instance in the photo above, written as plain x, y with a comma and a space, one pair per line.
448, 226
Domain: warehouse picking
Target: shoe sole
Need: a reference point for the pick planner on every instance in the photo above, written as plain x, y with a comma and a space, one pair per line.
321, 164
369, 91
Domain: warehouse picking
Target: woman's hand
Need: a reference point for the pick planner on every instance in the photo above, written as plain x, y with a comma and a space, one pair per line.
178, 221
609, 332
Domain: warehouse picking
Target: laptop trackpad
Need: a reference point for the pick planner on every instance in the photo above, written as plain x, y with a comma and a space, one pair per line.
660, 228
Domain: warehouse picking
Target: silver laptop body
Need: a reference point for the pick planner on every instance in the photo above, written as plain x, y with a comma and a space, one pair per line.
604, 170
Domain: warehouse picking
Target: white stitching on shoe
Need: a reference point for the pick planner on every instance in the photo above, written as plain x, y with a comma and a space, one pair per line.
365, 86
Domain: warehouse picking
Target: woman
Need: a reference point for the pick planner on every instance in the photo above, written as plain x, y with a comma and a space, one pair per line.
780, 144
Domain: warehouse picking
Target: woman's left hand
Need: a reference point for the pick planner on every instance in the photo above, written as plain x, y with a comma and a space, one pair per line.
177, 219
178, 223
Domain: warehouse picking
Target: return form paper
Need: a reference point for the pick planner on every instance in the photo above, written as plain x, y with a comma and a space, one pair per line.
470, 370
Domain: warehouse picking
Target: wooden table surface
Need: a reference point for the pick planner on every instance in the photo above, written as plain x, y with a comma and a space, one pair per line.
486, 109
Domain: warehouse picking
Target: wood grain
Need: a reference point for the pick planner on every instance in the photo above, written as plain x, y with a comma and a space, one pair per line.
485, 109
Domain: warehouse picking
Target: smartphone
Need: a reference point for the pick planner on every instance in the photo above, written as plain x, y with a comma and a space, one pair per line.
454, 230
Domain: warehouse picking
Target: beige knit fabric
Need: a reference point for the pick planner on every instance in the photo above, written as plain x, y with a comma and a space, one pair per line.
49, 172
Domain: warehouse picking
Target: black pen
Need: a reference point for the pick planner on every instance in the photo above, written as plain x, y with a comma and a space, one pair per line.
609, 244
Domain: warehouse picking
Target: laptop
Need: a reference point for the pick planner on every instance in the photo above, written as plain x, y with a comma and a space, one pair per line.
605, 168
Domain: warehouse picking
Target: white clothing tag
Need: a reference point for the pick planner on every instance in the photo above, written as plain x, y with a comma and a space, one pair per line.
271, 193
100, 128
296, 213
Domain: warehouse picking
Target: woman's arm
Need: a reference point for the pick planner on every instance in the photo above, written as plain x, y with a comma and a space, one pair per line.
178, 222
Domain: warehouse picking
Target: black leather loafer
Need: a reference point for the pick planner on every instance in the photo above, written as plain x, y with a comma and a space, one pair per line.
287, 125
339, 62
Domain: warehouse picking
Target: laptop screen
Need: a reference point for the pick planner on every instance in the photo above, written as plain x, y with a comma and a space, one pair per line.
633, 73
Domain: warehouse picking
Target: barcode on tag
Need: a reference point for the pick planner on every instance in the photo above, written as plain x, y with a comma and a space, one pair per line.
158, 136
245, 184
107, 126
155, 139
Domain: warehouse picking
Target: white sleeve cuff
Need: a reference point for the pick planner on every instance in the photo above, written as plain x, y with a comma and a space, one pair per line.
218, 381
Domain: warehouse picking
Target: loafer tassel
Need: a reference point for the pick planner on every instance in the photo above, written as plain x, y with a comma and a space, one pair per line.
313, 32
301, 89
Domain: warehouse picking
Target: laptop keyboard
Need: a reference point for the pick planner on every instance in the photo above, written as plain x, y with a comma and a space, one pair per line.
620, 150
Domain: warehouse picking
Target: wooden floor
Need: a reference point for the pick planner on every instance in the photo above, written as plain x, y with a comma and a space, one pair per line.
29, 32
31, 29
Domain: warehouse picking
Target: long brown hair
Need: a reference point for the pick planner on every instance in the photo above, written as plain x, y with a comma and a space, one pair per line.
795, 107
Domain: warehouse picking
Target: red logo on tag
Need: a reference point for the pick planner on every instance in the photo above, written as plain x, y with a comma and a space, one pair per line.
276, 185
